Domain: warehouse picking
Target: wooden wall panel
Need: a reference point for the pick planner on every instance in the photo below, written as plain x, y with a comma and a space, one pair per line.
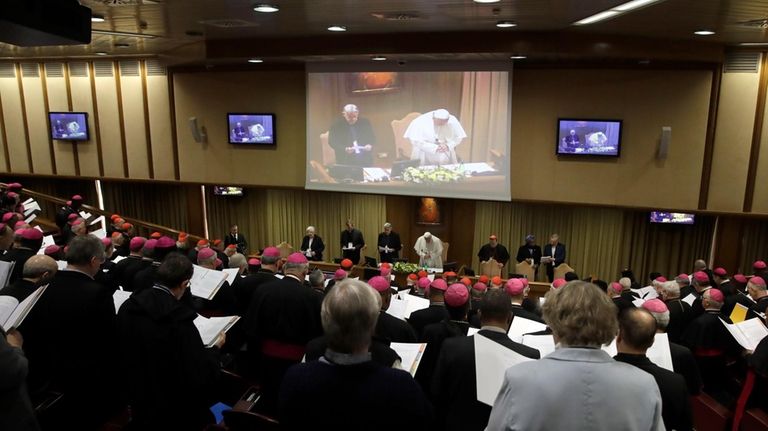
760, 196
37, 120
57, 101
160, 127
14, 127
135, 135
109, 118
87, 152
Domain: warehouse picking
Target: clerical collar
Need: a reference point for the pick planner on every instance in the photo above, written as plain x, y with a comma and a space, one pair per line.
293, 277
165, 289
493, 329
70, 269
336, 358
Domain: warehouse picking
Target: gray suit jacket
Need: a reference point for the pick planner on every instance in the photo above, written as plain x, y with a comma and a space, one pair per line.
577, 389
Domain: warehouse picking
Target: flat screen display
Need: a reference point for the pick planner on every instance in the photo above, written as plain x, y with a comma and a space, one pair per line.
588, 137
672, 218
227, 191
69, 126
251, 129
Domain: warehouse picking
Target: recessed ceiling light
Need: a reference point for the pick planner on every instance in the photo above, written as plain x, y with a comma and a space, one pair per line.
255, 60
102, 53
597, 17
487, 1
266, 8
378, 58
97, 18
505, 24
704, 32
124, 34
753, 44
518, 57
615, 11
634, 4
337, 28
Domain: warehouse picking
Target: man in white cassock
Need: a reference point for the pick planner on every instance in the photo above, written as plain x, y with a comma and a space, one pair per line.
430, 251
434, 137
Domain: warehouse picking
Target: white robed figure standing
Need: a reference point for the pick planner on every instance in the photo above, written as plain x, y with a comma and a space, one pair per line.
430, 251
434, 137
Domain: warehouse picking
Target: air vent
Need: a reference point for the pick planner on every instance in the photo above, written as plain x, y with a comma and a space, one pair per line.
78, 70
129, 68
30, 70
154, 68
54, 70
741, 62
103, 68
397, 16
228, 23
7, 70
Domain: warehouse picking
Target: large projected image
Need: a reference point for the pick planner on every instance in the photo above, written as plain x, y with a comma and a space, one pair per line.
442, 134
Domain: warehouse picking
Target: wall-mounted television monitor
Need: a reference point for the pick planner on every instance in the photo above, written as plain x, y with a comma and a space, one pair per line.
672, 218
251, 129
588, 137
68, 126
227, 191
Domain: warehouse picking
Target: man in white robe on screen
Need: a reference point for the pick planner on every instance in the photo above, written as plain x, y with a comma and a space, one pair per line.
434, 137
430, 251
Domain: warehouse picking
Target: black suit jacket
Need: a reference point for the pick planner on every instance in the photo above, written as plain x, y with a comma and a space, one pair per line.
684, 363
559, 253
391, 329
20, 290
527, 252
356, 238
421, 318
392, 241
519, 311
317, 246
454, 388
675, 407
240, 242
20, 256
341, 135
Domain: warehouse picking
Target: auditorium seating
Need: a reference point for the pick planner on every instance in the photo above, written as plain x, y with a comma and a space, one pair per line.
754, 420
329, 156
525, 269
563, 269
490, 268
708, 414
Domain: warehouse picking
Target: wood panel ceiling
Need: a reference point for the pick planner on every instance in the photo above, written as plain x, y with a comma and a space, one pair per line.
192, 31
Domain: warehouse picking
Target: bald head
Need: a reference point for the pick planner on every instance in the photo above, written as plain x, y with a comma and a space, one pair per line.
38, 267
637, 329
699, 265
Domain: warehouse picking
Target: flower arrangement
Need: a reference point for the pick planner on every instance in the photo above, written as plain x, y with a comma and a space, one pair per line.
432, 175
405, 267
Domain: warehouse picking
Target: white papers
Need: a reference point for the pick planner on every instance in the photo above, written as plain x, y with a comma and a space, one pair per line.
28, 201
206, 282
6, 269
85, 215
210, 328
414, 303
638, 302
29, 219
647, 292
232, 274
431, 277
397, 308
522, 326
38, 228
119, 297
279, 276
62, 264
472, 331
491, 361
658, 353
689, 299
748, 333
47, 241
545, 344
98, 219
31, 205
12, 313
99, 233
119, 258
410, 355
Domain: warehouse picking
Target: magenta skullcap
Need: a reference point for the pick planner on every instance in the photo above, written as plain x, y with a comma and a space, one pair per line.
77, 198
716, 295
558, 283
73, 216
720, 272
14, 186
757, 281
31, 234
759, 264
379, 283
524, 281
701, 277
271, 252
340, 274
740, 278
616, 287
439, 284
217, 263
683, 275
254, 262
19, 224
456, 295
165, 242
514, 287
52, 249
205, 254
661, 279
12, 195
480, 286
106, 241
150, 244
655, 305
423, 283
7, 217
137, 243
297, 258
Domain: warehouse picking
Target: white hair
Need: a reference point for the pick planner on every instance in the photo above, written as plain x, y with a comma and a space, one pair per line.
349, 314
662, 319
350, 108
237, 260
671, 289
310, 228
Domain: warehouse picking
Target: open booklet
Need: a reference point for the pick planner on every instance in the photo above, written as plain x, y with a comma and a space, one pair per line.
12, 313
658, 353
491, 361
748, 333
410, 355
412, 303
521, 326
211, 327
119, 297
206, 282
6, 269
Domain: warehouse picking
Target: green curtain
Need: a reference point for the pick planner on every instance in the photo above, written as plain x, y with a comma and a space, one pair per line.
754, 244
161, 204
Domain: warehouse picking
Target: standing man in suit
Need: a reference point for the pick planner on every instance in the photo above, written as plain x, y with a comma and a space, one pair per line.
352, 138
556, 254
494, 250
312, 245
531, 252
351, 242
389, 244
236, 238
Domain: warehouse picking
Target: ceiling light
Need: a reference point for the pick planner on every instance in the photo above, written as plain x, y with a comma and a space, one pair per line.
753, 44
615, 11
101, 53
337, 28
266, 8
255, 60
124, 34
97, 18
597, 17
505, 24
634, 4
487, 1
704, 32
518, 57
378, 58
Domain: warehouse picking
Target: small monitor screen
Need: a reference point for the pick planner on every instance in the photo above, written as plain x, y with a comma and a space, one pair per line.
227, 191
251, 129
588, 137
69, 126
671, 218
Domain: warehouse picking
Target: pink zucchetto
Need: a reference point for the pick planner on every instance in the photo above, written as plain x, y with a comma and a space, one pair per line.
379, 283
655, 305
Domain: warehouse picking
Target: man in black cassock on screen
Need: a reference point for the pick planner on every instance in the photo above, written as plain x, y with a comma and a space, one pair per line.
352, 138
